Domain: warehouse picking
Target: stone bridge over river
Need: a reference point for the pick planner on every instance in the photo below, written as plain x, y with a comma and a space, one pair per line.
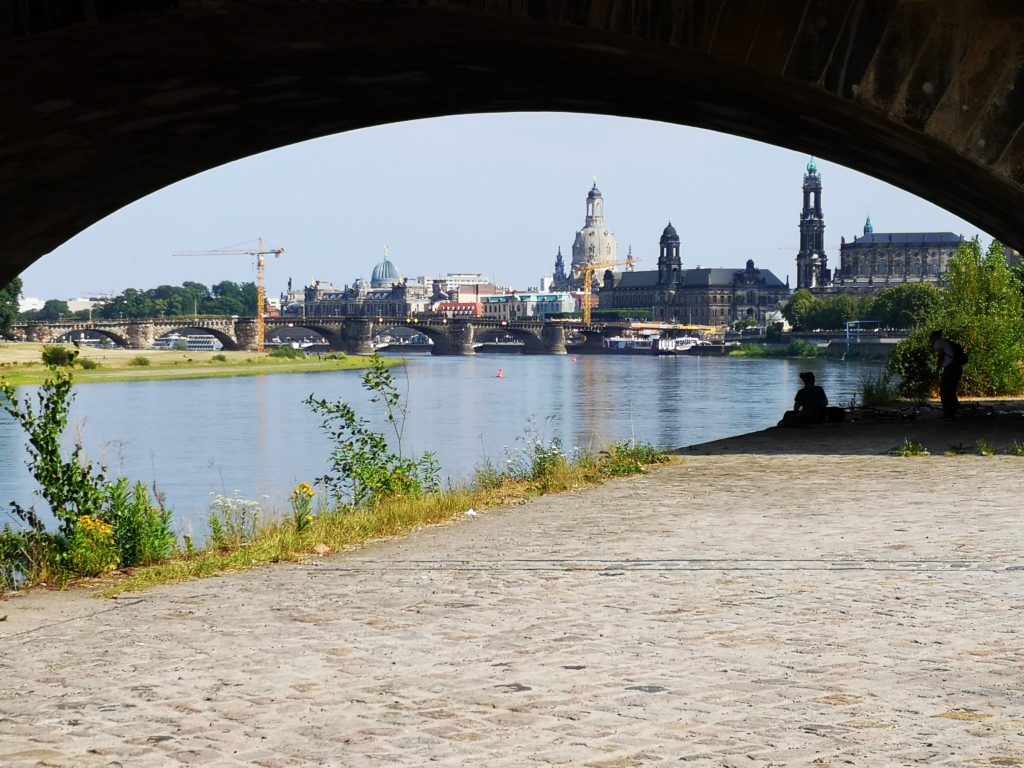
351, 335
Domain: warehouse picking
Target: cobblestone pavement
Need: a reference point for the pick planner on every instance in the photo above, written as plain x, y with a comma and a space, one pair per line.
727, 611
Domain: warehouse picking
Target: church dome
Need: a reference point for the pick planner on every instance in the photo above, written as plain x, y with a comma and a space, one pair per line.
384, 275
670, 234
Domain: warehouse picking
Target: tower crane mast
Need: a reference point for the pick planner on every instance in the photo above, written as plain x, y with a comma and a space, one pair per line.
586, 272
259, 251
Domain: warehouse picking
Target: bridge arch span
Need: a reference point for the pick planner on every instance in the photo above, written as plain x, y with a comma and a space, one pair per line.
926, 95
439, 336
332, 335
227, 341
74, 336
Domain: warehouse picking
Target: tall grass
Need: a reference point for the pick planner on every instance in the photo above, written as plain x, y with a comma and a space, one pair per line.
343, 528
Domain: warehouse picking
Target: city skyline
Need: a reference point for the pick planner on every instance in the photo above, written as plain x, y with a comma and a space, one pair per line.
495, 194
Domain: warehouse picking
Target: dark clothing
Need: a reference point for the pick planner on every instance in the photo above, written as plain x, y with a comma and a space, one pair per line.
810, 404
952, 369
949, 382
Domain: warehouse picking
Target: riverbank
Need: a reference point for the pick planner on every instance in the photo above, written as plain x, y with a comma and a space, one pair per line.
21, 363
984, 426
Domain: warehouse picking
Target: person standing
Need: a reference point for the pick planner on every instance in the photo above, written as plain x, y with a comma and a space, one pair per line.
951, 368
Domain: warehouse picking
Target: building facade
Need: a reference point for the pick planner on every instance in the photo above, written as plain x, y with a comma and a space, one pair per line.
388, 294
699, 296
875, 261
870, 262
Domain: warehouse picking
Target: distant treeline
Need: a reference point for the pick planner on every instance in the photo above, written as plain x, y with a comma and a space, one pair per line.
901, 307
186, 300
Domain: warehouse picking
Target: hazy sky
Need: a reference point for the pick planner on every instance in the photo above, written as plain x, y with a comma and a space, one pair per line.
496, 194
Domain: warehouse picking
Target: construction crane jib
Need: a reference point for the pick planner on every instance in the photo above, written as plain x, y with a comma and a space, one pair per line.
260, 251
586, 273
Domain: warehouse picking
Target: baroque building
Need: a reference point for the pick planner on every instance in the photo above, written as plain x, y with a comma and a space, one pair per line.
870, 262
697, 296
594, 244
875, 261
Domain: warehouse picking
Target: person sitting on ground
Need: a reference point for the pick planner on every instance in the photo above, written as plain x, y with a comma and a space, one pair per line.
810, 406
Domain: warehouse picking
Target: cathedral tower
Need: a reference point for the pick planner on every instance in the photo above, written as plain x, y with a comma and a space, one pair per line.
594, 244
669, 264
811, 262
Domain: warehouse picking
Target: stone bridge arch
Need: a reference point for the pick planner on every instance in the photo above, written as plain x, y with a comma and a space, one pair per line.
62, 336
229, 343
925, 94
332, 333
439, 335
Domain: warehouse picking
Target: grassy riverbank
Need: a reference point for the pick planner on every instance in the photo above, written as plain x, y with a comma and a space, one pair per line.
21, 363
289, 539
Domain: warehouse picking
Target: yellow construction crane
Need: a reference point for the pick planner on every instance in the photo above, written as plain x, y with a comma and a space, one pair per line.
261, 250
586, 272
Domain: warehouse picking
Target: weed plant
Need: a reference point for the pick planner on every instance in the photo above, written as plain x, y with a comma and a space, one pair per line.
140, 360
984, 448
88, 364
878, 391
220, 357
909, 448
233, 521
1016, 449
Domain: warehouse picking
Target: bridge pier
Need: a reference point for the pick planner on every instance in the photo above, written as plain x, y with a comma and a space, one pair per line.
553, 338
141, 334
246, 334
39, 333
462, 336
358, 336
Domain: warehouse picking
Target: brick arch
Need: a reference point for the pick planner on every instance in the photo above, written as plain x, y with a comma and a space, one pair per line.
116, 100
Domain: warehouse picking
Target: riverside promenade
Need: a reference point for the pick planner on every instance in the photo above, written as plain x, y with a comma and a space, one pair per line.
736, 610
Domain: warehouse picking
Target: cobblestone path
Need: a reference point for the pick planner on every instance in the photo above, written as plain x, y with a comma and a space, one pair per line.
727, 611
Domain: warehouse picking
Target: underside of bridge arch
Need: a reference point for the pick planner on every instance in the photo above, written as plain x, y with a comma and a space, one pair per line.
532, 344
227, 342
115, 100
442, 341
72, 336
333, 338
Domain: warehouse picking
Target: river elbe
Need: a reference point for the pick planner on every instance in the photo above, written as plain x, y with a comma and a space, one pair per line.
254, 436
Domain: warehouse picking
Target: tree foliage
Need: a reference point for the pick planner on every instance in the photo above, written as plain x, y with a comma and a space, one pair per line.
982, 309
899, 307
9, 295
190, 298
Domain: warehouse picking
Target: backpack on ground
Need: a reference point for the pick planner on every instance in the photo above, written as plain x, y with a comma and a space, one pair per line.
959, 355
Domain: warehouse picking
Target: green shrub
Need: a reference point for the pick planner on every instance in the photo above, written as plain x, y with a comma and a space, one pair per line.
985, 448
142, 529
91, 548
220, 357
1016, 449
287, 351
981, 309
88, 364
140, 360
59, 356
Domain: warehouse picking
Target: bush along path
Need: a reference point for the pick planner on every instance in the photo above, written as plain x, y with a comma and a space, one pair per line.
371, 491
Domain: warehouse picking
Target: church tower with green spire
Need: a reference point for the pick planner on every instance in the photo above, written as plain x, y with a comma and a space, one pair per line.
812, 270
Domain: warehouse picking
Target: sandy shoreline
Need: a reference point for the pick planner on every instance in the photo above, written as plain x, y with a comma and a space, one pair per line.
795, 607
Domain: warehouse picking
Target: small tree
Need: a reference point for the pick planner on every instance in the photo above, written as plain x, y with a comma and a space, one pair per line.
364, 468
981, 308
